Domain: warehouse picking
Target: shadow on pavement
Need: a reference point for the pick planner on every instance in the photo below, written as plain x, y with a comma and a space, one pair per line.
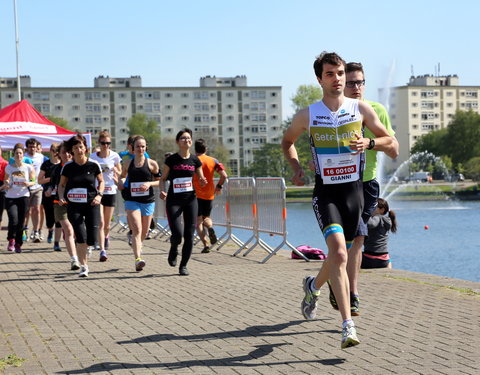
260, 351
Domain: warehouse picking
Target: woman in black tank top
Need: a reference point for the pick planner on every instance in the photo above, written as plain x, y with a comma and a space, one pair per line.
181, 200
143, 175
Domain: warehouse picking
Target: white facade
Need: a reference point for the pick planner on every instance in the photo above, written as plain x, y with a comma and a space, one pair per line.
425, 104
242, 117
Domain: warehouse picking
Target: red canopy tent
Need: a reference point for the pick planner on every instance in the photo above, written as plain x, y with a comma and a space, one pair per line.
20, 121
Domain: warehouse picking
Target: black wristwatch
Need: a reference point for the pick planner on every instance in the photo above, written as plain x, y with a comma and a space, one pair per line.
219, 187
100, 193
371, 145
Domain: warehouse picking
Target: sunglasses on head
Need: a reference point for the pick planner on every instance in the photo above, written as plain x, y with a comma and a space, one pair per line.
105, 143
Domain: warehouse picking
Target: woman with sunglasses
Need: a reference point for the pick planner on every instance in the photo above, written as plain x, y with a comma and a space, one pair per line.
181, 200
111, 168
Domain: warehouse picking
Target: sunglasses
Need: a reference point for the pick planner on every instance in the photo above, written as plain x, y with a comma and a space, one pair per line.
106, 143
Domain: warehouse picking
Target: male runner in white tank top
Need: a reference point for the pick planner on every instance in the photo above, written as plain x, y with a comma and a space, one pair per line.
331, 195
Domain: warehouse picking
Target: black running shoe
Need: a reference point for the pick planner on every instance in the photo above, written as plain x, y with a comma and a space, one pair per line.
212, 236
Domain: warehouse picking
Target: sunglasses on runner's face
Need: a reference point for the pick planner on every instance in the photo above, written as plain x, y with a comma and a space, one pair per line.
352, 84
106, 143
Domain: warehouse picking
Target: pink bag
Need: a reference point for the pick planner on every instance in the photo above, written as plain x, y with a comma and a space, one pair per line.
310, 253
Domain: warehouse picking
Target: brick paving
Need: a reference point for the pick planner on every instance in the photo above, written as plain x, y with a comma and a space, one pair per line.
232, 315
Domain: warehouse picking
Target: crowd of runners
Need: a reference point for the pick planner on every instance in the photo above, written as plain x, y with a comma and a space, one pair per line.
73, 193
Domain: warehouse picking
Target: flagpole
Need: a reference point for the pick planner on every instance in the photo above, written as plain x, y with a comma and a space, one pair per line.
16, 49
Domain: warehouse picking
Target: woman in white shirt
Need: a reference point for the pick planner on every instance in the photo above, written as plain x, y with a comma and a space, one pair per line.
19, 176
111, 168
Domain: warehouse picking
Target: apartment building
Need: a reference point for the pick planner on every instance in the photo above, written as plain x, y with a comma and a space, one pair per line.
242, 117
425, 104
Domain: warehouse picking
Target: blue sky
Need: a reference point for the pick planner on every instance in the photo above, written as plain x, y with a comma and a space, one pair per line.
174, 43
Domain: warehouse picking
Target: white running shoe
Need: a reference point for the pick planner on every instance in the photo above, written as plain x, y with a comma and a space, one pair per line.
349, 336
83, 271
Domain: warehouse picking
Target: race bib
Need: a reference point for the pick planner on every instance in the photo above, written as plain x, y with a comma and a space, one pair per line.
338, 169
77, 195
182, 185
136, 191
107, 189
20, 181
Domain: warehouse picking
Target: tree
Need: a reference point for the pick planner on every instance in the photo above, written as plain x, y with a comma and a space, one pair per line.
434, 142
60, 122
306, 95
268, 161
463, 137
472, 168
138, 124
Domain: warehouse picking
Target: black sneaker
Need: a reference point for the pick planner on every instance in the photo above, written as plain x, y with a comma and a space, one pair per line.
183, 271
172, 257
206, 250
331, 297
212, 236
354, 304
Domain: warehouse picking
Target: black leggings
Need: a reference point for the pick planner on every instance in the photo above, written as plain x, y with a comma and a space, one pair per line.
17, 210
189, 208
47, 203
85, 220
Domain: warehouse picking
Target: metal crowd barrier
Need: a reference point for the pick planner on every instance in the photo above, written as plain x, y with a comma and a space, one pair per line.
255, 205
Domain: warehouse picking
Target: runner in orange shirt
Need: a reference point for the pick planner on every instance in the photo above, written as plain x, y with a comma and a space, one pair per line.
206, 194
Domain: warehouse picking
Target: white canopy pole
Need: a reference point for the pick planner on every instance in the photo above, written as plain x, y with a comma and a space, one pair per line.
16, 48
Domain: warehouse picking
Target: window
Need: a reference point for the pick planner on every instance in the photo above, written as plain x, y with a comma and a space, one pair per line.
93, 119
229, 106
168, 95
471, 94
184, 95
273, 94
43, 108
59, 108
76, 107
258, 94
75, 96
185, 118
41, 96
184, 106
58, 95
201, 106
200, 95
122, 95
258, 117
229, 94
93, 107
148, 107
156, 107
92, 95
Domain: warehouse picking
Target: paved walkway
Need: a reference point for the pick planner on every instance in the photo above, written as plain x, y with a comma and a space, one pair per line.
230, 316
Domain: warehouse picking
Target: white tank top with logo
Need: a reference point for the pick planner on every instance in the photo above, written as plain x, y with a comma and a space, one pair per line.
330, 135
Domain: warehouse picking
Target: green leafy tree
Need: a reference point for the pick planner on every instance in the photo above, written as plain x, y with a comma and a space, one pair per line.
138, 124
472, 168
463, 137
268, 161
434, 142
60, 122
306, 95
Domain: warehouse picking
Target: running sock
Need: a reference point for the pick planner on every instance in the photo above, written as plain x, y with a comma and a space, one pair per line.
74, 257
312, 286
347, 322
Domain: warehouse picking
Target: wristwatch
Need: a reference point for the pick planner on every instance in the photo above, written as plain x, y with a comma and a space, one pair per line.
100, 193
371, 145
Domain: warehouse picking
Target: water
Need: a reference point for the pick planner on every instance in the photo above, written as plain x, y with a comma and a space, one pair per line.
450, 247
